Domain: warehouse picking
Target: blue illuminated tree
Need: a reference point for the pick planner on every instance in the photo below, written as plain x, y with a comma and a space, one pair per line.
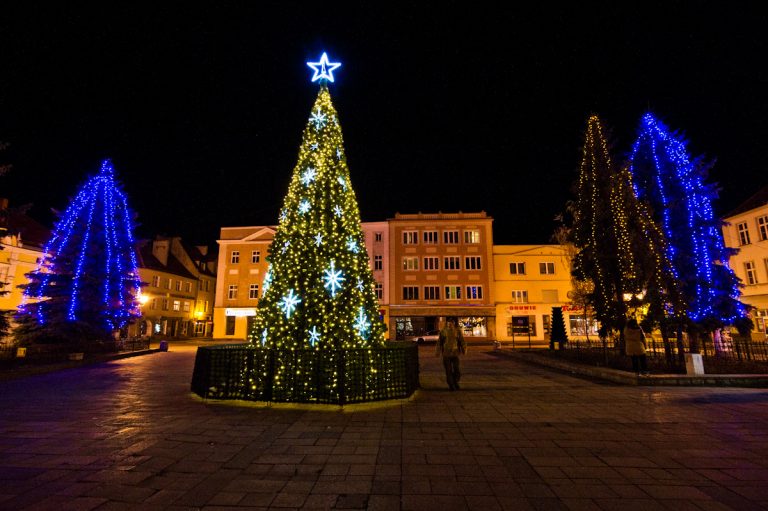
87, 285
673, 185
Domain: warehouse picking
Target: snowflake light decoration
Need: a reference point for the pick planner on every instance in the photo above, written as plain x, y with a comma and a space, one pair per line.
333, 279
308, 176
337, 210
289, 302
318, 239
314, 336
304, 206
319, 119
352, 246
362, 324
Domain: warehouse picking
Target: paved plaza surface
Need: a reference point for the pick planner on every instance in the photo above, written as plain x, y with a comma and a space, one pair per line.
128, 434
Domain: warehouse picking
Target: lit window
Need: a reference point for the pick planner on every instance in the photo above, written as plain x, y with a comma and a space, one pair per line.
743, 233
235, 258
452, 292
232, 292
472, 236
186, 306
170, 284
176, 305
517, 268
410, 263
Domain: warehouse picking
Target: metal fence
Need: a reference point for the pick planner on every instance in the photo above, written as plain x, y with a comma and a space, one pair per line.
244, 371
734, 351
50, 353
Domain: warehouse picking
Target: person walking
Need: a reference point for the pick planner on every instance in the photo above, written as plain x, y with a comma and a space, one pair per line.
634, 346
450, 344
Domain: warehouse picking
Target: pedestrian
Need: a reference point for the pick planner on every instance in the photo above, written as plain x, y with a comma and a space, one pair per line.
450, 344
634, 346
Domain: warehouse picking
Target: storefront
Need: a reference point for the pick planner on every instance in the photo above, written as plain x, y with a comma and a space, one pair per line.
405, 322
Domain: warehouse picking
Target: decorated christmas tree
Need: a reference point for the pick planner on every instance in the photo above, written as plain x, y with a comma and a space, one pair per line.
673, 184
319, 289
87, 285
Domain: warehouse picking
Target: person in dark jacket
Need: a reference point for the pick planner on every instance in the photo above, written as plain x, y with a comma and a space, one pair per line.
450, 344
634, 346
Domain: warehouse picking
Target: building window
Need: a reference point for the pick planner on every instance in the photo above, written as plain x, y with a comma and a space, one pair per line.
232, 292
155, 280
410, 292
230, 328
235, 257
206, 307
377, 236
472, 236
186, 306
165, 304
207, 285
762, 226
453, 292
517, 268
253, 291
176, 305
547, 268
378, 262
178, 285
170, 284
430, 237
519, 296
450, 237
379, 288
255, 256
749, 268
410, 263
188, 287
472, 263
410, 237
743, 233
431, 263
474, 292
431, 292
153, 304
452, 263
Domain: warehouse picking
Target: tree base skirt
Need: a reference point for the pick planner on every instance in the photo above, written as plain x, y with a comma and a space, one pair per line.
248, 372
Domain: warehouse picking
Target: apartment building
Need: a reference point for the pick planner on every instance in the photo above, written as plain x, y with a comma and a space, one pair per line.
21, 250
530, 280
746, 229
441, 265
178, 292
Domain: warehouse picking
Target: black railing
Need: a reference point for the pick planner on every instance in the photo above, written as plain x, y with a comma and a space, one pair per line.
736, 352
49, 353
243, 371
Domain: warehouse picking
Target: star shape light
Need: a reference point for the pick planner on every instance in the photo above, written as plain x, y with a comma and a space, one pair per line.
323, 69
318, 119
333, 279
362, 324
289, 302
308, 176
314, 336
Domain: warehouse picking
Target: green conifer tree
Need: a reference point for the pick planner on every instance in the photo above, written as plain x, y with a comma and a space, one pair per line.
319, 289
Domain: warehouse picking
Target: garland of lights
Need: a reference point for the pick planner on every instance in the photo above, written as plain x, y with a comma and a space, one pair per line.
98, 216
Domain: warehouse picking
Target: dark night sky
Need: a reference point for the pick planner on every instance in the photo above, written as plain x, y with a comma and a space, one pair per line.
444, 107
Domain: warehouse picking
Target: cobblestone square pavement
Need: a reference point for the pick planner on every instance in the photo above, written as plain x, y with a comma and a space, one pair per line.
128, 434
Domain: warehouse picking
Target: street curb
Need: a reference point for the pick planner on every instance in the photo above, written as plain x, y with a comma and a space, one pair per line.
626, 378
35, 370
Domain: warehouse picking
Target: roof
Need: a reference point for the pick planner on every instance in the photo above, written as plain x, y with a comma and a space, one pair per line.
757, 200
174, 266
32, 232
